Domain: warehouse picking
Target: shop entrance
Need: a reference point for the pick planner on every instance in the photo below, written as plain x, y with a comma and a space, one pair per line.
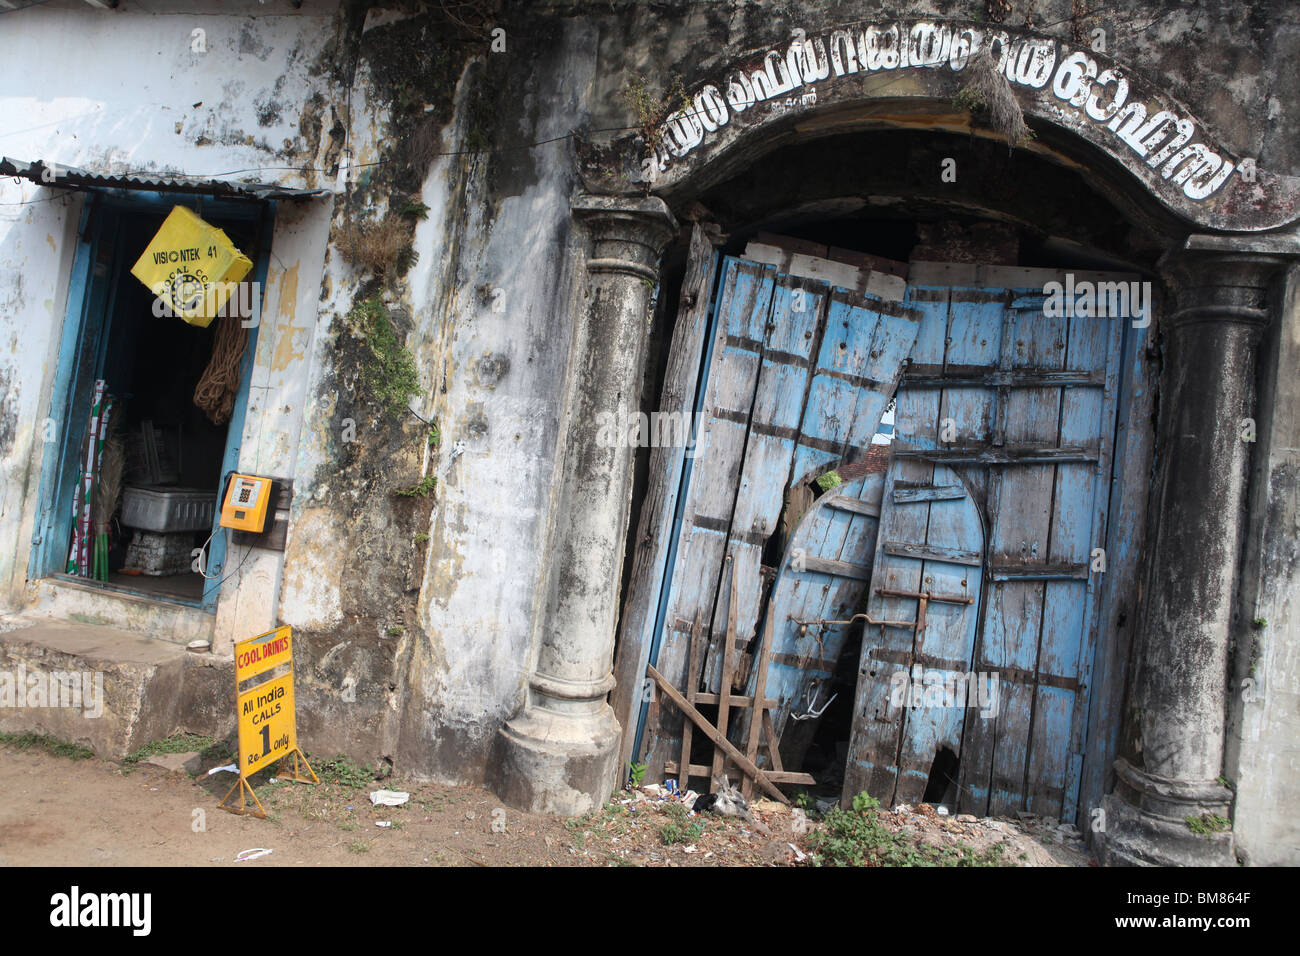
147, 412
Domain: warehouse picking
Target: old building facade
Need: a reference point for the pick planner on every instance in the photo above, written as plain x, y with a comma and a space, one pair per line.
554, 208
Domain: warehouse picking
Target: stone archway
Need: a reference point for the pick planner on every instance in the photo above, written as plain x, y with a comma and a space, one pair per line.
1160, 164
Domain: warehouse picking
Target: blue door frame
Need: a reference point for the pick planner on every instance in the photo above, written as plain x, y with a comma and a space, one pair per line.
95, 272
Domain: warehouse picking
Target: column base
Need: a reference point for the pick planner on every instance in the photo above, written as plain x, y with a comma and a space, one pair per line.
546, 762
1146, 822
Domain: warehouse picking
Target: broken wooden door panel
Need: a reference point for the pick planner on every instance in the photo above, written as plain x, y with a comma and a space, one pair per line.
873, 744
860, 348
792, 333
667, 466
897, 730
860, 358
804, 659
1021, 506
859, 364
744, 303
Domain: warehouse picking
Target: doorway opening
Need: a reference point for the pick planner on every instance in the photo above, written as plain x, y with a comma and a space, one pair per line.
152, 412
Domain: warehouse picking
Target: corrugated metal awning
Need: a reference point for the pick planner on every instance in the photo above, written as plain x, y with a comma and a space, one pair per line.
70, 177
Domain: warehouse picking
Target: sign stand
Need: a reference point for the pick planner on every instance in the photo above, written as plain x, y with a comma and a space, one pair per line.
268, 732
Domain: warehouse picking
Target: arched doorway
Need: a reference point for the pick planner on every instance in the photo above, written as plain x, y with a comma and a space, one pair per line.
1033, 407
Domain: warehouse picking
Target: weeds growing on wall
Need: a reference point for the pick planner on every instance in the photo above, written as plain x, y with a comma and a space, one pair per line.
384, 247
989, 93
388, 374
651, 110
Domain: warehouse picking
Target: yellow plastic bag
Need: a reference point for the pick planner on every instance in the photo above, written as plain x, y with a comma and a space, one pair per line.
191, 267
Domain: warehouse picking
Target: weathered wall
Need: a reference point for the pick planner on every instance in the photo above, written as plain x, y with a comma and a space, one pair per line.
206, 93
416, 613
1263, 702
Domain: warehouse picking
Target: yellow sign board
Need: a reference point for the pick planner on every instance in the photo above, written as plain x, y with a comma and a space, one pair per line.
268, 731
266, 725
192, 267
259, 654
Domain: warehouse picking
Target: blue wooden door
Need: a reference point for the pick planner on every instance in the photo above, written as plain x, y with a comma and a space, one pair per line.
995, 499
799, 375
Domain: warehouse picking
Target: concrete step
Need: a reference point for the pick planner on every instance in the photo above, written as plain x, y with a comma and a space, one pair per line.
108, 689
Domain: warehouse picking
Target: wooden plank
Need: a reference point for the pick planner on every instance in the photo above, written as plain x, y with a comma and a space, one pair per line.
773, 748
934, 376
743, 762
930, 552
1125, 530
760, 690
692, 683
1058, 571
728, 669
842, 569
695, 577
737, 700
855, 505
909, 494
775, 776
653, 536
1031, 454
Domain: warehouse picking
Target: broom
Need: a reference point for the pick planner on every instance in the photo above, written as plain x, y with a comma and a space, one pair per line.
107, 490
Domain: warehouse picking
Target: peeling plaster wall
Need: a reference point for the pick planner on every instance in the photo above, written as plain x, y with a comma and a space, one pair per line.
427, 682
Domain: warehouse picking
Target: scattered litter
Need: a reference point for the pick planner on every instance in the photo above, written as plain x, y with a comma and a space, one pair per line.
383, 823
228, 768
256, 852
942, 810
388, 798
799, 854
653, 790
689, 849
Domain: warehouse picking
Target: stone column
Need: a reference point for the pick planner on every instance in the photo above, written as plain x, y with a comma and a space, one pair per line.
1172, 748
558, 753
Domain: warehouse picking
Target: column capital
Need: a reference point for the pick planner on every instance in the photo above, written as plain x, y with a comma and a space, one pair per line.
1225, 278
628, 233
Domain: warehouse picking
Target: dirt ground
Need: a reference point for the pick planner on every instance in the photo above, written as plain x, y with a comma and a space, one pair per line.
58, 811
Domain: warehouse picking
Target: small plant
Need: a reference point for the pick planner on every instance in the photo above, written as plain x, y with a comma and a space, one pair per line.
650, 110
435, 435
1260, 623
857, 838
421, 489
1208, 823
51, 745
359, 846
1225, 782
637, 772
341, 770
388, 374
414, 209
864, 802
396, 630
421, 537
679, 831
829, 480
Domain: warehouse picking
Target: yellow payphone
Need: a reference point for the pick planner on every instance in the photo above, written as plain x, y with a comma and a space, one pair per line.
245, 507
